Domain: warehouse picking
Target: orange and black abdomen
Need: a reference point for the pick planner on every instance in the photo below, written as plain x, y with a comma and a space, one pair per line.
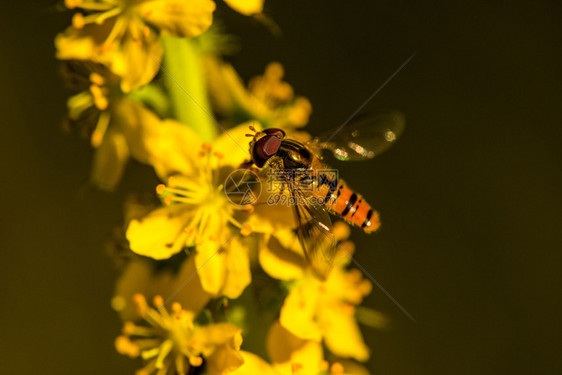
328, 188
339, 198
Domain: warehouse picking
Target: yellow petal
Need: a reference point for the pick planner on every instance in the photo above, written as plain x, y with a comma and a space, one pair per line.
218, 334
347, 285
160, 234
229, 93
280, 216
167, 145
246, 7
83, 44
135, 57
288, 239
237, 268
281, 263
234, 144
184, 287
342, 334
110, 160
140, 277
298, 314
219, 94
220, 345
254, 365
210, 262
136, 278
292, 355
139, 60
182, 18
173, 148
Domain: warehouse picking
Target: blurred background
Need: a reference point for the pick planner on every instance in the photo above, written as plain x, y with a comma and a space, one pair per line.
469, 197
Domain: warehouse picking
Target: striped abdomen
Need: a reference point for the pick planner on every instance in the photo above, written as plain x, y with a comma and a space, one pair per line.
340, 199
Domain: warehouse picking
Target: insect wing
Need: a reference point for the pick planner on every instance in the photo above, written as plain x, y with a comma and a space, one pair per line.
314, 231
364, 137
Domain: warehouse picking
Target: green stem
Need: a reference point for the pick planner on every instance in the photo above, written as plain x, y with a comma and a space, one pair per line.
153, 97
184, 78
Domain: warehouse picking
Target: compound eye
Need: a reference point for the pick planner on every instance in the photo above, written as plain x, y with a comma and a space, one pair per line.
276, 132
264, 149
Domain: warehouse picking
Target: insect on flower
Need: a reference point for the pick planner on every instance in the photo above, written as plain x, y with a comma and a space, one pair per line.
315, 191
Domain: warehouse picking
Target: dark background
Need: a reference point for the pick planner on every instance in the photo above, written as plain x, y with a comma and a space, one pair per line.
469, 197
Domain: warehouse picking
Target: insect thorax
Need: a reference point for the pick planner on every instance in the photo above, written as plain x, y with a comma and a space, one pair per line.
295, 155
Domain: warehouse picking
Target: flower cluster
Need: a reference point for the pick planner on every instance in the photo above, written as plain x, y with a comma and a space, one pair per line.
229, 282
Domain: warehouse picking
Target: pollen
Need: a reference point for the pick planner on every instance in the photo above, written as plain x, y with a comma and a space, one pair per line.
125, 346
118, 303
336, 369
296, 367
176, 308
158, 301
71, 4
172, 181
168, 200
78, 21
170, 343
97, 79
195, 361
246, 230
160, 189
206, 147
140, 303
128, 328
99, 98
101, 103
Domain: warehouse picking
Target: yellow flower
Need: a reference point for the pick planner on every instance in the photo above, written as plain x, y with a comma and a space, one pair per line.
171, 343
141, 277
121, 127
90, 109
95, 112
282, 255
176, 281
291, 355
121, 33
198, 214
268, 98
137, 131
316, 310
254, 365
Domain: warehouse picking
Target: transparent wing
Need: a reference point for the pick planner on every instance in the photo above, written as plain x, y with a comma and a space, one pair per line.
364, 137
314, 229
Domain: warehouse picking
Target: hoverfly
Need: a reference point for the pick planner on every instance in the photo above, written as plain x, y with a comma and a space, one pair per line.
315, 193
